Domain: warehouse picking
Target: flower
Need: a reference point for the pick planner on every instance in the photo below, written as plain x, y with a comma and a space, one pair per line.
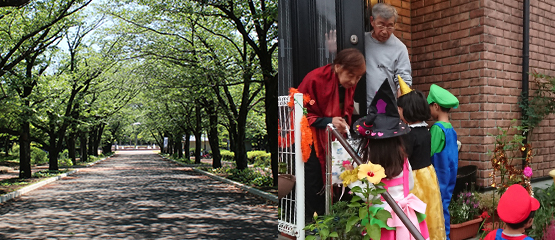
374, 173
527, 172
349, 176
464, 208
346, 162
485, 215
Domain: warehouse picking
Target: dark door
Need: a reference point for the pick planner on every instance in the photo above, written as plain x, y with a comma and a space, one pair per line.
305, 27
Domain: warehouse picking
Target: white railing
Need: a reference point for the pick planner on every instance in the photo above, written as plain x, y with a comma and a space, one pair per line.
291, 218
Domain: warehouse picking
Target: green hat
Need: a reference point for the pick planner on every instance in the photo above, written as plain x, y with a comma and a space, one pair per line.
442, 97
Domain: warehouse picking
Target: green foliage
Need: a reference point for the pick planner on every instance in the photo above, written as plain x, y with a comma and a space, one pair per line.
259, 158
48, 173
350, 220
507, 153
464, 207
65, 162
227, 155
543, 218
38, 156
541, 103
253, 177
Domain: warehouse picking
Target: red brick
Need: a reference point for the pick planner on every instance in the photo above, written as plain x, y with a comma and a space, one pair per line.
460, 34
450, 28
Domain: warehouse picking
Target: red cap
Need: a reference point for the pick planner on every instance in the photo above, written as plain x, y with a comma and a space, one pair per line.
516, 204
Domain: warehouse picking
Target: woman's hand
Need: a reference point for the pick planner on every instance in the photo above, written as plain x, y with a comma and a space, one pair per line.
340, 124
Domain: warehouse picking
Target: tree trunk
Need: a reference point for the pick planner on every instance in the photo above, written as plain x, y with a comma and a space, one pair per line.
71, 148
272, 115
53, 153
187, 146
7, 145
178, 146
198, 134
240, 150
213, 136
98, 138
25, 151
171, 150
83, 142
92, 137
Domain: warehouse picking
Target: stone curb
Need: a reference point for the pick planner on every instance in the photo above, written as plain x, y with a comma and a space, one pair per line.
252, 190
183, 164
98, 161
11, 195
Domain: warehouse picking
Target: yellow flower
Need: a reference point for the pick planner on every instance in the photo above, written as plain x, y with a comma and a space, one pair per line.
349, 176
373, 172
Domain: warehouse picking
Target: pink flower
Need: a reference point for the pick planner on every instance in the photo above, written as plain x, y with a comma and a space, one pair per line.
527, 172
346, 163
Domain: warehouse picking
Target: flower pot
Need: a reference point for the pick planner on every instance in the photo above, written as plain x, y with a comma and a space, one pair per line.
286, 182
465, 230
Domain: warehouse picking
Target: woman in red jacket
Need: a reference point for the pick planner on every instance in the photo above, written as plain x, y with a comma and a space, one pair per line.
332, 88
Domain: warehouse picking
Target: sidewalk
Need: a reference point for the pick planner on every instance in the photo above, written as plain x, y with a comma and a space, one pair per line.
137, 195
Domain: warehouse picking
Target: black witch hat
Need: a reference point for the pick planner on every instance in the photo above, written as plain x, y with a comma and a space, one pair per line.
383, 120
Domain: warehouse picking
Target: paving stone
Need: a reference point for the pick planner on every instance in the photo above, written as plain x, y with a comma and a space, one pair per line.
137, 195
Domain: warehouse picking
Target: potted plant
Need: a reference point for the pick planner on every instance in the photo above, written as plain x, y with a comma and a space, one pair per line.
465, 216
361, 217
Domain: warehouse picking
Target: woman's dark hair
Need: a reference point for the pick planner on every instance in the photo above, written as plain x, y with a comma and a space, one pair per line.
389, 153
415, 107
523, 223
350, 59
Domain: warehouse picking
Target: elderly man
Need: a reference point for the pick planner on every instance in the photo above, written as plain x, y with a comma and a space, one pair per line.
386, 55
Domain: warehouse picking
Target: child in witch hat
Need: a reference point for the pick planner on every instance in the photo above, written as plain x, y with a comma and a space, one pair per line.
381, 132
414, 111
516, 208
444, 149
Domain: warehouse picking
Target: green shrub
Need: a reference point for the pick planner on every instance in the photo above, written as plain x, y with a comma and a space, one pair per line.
15, 150
38, 156
544, 215
65, 162
227, 155
259, 158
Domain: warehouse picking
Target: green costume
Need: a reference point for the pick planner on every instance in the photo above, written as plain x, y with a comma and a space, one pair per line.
444, 150
438, 137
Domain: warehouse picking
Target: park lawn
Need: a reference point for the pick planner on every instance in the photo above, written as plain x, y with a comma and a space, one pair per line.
13, 184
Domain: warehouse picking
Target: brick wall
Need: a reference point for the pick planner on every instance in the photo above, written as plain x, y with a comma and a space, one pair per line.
474, 49
542, 60
403, 28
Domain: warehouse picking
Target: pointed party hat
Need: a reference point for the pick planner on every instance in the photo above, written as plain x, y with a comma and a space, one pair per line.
383, 120
404, 87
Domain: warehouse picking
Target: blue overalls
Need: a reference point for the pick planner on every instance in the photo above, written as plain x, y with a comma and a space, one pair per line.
446, 163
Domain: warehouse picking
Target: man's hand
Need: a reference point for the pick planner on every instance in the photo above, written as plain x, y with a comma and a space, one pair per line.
331, 41
340, 124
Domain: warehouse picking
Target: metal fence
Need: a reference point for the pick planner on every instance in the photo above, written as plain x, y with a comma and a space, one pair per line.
291, 218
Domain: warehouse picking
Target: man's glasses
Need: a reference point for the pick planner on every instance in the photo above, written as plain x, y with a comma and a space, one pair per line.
382, 27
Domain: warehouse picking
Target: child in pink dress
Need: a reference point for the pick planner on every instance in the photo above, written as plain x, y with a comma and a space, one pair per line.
381, 131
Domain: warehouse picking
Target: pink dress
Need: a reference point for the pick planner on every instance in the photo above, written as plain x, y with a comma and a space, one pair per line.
410, 204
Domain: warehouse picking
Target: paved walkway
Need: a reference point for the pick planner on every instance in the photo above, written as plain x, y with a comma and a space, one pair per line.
137, 195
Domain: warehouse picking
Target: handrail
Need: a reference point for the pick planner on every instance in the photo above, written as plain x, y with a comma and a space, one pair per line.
386, 196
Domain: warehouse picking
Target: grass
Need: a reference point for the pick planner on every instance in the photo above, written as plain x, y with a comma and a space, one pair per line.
13, 184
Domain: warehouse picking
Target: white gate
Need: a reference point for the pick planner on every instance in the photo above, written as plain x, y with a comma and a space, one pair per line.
291, 218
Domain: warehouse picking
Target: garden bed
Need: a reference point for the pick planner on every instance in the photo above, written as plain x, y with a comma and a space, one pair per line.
13, 184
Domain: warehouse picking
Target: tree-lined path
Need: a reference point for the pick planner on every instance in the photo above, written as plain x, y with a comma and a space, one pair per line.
137, 195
